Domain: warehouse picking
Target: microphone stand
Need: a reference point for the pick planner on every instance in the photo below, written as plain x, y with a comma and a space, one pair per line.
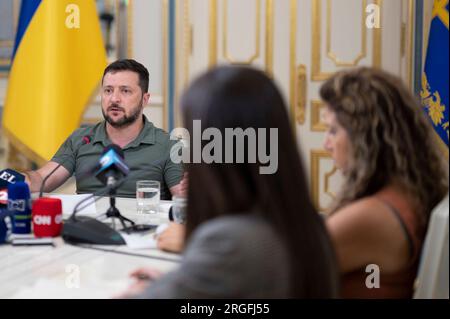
112, 211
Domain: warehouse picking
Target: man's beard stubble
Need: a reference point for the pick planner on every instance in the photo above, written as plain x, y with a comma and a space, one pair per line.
125, 120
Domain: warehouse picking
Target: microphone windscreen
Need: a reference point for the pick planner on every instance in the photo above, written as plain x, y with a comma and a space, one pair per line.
3, 226
47, 217
3, 231
10, 176
111, 164
18, 190
116, 149
3, 197
19, 203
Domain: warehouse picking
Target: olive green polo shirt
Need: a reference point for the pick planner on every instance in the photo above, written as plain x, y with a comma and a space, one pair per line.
148, 158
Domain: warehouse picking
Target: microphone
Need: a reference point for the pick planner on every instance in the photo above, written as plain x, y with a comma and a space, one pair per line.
85, 140
111, 166
47, 217
8, 177
19, 203
88, 230
3, 227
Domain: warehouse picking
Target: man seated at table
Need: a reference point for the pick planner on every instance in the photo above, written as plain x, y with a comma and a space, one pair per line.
146, 148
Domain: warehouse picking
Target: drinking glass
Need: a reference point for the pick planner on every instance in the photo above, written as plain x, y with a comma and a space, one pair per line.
148, 196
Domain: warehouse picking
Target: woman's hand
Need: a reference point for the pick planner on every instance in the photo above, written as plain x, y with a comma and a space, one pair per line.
172, 239
143, 277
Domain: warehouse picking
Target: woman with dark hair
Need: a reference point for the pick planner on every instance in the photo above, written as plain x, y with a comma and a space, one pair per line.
248, 235
380, 139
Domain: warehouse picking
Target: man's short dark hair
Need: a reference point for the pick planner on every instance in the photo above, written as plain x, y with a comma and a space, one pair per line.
130, 65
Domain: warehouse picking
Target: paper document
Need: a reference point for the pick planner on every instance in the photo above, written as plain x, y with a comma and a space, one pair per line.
140, 241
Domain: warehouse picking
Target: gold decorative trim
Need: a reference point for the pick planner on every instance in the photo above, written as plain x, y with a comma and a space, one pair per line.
327, 182
377, 41
212, 33
292, 58
316, 73
316, 122
130, 29
165, 21
403, 40
302, 92
226, 54
316, 156
269, 36
363, 52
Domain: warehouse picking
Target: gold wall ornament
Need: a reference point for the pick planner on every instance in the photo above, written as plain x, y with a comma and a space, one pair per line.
130, 29
256, 54
377, 40
269, 34
316, 71
300, 105
362, 54
316, 119
292, 59
212, 33
316, 157
328, 176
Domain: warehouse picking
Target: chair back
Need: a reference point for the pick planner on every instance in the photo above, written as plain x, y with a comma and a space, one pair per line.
432, 280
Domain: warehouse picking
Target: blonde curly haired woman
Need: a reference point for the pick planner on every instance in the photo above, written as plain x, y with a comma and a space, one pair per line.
394, 175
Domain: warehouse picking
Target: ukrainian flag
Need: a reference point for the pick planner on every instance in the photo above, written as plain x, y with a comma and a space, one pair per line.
58, 61
435, 79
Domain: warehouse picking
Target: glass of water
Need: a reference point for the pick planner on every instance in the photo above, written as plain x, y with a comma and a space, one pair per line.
148, 196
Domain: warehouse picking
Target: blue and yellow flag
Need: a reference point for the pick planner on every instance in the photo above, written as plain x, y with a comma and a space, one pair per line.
58, 62
435, 79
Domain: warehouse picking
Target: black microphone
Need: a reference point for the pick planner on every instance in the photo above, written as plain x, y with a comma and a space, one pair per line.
8, 177
111, 166
85, 140
88, 230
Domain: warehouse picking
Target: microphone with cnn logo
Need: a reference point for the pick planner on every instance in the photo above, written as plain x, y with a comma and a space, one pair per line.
47, 217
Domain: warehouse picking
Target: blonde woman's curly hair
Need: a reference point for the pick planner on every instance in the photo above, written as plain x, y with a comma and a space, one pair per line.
392, 141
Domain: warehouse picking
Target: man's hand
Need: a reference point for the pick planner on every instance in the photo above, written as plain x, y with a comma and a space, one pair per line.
184, 185
181, 189
34, 178
172, 239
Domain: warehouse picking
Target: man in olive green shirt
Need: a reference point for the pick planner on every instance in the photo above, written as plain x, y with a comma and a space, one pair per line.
146, 148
